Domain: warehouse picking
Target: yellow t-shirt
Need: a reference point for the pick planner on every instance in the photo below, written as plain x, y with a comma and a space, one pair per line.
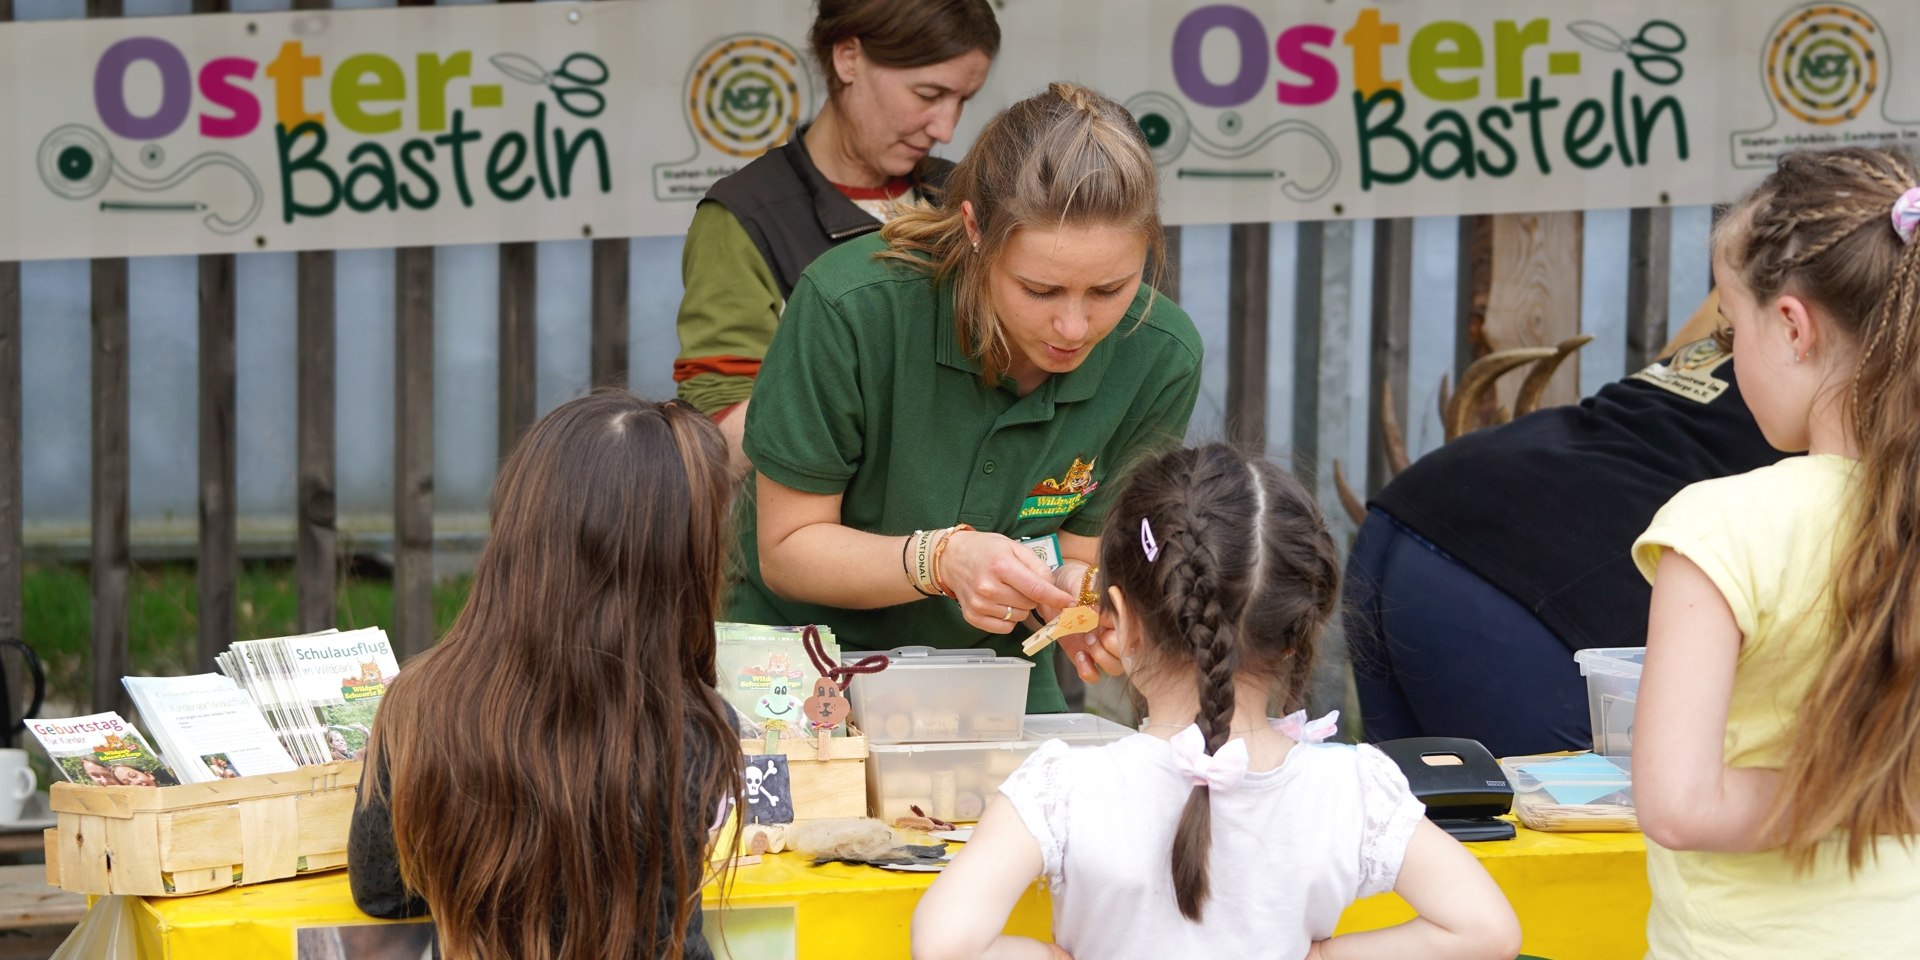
1768, 539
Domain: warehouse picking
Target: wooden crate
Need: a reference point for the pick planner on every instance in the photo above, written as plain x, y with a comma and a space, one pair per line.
174, 841
834, 786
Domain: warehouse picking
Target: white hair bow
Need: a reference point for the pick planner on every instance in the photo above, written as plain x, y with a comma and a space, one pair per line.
1221, 771
1296, 726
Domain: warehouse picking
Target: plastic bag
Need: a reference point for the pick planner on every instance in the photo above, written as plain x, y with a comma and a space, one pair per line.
107, 932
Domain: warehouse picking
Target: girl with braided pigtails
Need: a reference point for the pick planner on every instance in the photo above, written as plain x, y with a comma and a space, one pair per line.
1777, 753
1213, 832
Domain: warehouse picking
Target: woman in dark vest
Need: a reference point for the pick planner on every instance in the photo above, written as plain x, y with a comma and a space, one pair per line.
898, 73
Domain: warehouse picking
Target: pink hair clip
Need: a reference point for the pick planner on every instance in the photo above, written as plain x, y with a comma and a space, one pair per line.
1906, 215
1148, 545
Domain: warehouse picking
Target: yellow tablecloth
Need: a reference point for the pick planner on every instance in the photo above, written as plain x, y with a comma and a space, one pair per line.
1579, 897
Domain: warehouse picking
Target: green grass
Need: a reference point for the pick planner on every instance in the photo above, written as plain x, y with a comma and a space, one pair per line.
164, 616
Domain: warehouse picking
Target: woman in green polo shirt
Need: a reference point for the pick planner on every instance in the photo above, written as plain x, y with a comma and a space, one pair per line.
974, 375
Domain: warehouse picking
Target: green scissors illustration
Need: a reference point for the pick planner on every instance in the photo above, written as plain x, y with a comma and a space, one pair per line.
574, 87
1653, 51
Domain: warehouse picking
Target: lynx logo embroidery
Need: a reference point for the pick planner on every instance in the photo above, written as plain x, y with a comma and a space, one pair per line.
1057, 498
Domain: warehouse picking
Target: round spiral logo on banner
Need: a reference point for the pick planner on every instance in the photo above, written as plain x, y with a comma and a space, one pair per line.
744, 95
1822, 66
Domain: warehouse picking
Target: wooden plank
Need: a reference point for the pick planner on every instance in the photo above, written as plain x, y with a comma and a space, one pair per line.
519, 278
127, 801
219, 518
1170, 276
316, 534
1392, 323
1338, 423
1533, 299
272, 849
200, 838
1475, 270
316, 537
612, 276
1649, 275
133, 857
82, 853
111, 568
323, 819
413, 450
11, 468
1248, 282
218, 563
1309, 246
27, 900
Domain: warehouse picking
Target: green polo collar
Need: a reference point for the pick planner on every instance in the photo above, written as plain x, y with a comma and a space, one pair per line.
1078, 384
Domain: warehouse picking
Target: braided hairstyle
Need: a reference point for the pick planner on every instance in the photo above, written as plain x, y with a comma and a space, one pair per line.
1246, 577
1820, 228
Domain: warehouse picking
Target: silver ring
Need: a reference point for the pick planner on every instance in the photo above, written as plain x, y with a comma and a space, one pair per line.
1008, 616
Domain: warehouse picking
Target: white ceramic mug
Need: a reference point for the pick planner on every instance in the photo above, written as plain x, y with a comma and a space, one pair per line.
17, 783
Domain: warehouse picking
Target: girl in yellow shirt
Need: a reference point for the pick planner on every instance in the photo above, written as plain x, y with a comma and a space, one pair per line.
1777, 749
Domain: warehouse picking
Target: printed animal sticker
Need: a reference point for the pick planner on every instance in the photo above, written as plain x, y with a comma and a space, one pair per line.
769, 790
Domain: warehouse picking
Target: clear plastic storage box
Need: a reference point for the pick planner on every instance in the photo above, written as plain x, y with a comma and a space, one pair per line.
954, 781
1613, 684
1581, 793
940, 696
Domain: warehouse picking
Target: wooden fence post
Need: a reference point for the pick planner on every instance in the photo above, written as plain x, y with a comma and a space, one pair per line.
1248, 270
111, 568
1392, 320
1309, 255
519, 281
316, 537
1649, 270
12, 461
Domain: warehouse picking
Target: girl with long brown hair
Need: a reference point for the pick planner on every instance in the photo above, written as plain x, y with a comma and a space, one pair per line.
543, 781
1213, 832
1777, 754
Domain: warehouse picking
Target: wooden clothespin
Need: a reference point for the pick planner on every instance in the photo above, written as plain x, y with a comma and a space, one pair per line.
1072, 620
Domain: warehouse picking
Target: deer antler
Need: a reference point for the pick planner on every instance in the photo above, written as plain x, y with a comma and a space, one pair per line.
1535, 386
1480, 377
1355, 507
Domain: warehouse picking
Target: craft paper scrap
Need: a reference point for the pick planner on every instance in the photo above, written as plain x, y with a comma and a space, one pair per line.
1578, 779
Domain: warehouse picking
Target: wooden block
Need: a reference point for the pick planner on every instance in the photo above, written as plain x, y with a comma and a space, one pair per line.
269, 838
200, 838
133, 847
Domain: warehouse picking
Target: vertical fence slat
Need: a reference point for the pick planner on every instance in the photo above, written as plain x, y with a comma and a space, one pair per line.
1475, 270
1169, 281
219, 530
1309, 254
108, 466
11, 463
519, 279
1248, 269
1534, 297
1387, 344
316, 537
607, 354
1649, 272
111, 568
218, 565
413, 449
